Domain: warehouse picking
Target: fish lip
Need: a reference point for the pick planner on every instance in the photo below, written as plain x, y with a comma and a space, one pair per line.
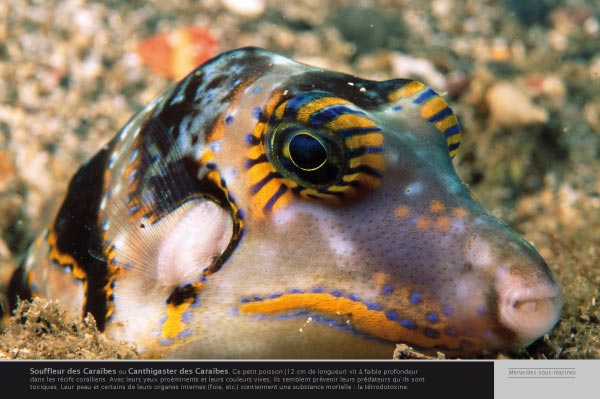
530, 312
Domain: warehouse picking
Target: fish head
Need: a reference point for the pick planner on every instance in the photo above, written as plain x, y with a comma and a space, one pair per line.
353, 197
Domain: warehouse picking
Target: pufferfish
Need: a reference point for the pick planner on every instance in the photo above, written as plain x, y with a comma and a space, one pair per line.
263, 208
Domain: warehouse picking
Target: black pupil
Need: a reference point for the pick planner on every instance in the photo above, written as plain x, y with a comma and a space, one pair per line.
306, 152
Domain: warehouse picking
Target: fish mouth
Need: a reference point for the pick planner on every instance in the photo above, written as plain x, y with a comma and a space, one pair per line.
530, 311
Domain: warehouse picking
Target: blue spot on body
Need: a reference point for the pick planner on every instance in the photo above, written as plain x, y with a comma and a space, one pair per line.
148, 197
481, 310
256, 89
388, 289
274, 296
128, 265
391, 315
451, 332
229, 120
433, 317
186, 317
295, 291
415, 299
233, 311
408, 324
465, 344
185, 333
235, 83
397, 108
245, 300
165, 341
337, 293
317, 290
131, 177
251, 140
447, 310
162, 320
215, 146
133, 155
354, 298
431, 333
373, 306
257, 112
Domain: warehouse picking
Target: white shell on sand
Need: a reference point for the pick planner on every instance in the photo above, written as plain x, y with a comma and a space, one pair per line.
510, 106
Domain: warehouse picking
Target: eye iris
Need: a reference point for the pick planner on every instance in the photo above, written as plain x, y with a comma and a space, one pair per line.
306, 152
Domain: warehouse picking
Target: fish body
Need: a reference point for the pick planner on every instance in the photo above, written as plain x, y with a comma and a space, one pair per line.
263, 208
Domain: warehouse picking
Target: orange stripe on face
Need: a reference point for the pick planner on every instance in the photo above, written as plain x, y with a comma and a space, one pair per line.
447, 123
432, 107
306, 111
206, 157
358, 315
266, 194
258, 172
407, 90
64, 259
174, 323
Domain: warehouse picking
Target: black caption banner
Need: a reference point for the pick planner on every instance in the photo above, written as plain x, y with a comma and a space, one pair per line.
411, 378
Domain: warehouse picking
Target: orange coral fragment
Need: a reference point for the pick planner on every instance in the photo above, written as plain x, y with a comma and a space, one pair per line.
177, 53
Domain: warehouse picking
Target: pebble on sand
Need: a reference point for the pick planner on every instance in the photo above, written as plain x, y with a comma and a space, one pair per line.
510, 106
246, 8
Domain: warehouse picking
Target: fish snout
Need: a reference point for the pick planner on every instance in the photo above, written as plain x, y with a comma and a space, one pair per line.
526, 295
529, 304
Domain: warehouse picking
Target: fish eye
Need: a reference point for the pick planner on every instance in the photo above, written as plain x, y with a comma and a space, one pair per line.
309, 156
316, 146
306, 151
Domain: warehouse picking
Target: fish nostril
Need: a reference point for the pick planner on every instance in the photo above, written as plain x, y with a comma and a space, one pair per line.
529, 306
530, 313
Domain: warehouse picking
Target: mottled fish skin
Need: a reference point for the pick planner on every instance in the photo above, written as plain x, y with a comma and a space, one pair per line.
263, 208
